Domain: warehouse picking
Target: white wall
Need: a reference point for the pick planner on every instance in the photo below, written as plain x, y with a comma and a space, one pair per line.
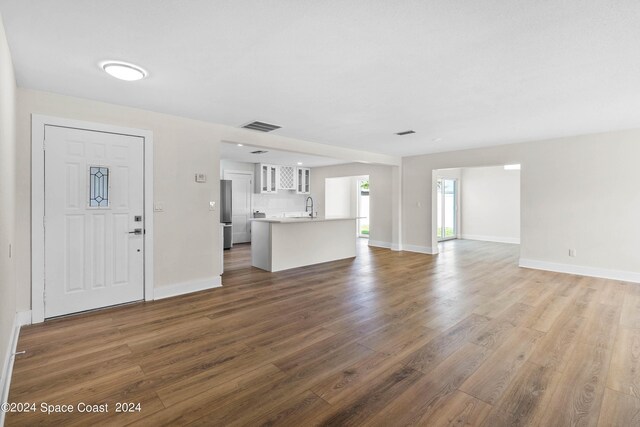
339, 197
186, 233
230, 165
490, 204
384, 197
7, 201
568, 188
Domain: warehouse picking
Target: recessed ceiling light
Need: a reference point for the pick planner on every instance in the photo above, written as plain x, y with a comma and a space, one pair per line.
239, 145
512, 167
123, 70
299, 163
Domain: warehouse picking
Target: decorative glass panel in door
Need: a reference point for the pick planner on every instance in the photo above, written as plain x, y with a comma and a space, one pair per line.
98, 187
307, 180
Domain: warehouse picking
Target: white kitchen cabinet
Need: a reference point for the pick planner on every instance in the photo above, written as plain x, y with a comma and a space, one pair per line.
287, 178
303, 180
267, 178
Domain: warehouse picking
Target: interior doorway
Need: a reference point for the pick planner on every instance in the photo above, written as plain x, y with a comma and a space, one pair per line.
241, 191
480, 204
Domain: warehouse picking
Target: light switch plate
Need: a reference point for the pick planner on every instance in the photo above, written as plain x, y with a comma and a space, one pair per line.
212, 206
201, 177
158, 206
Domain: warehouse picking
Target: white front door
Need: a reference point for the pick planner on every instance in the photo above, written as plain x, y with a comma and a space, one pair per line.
94, 203
241, 190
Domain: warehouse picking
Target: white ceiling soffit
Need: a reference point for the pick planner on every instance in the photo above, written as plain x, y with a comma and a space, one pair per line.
348, 73
233, 152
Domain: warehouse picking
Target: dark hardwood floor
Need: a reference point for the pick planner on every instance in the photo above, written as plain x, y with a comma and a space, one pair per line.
390, 338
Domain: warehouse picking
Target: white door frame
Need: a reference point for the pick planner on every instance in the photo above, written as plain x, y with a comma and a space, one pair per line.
38, 123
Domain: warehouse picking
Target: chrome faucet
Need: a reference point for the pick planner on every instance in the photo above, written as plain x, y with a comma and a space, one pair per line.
306, 208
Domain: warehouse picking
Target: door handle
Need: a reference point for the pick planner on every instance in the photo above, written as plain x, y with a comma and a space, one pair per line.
136, 231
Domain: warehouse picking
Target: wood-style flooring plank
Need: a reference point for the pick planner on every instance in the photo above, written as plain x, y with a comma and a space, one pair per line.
619, 410
578, 396
490, 381
624, 374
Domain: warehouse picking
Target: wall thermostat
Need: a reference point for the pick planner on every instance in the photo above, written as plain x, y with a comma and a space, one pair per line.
201, 177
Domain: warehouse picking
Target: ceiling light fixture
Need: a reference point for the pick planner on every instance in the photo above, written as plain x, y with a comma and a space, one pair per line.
515, 167
299, 163
123, 70
240, 145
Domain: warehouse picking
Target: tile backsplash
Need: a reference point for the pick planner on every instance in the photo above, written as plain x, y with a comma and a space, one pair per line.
277, 204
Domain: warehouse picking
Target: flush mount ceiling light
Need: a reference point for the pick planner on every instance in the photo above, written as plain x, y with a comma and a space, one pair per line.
512, 167
299, 163
239, 145
123, 70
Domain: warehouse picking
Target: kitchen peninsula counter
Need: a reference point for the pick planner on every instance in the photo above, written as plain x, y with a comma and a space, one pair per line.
283, 243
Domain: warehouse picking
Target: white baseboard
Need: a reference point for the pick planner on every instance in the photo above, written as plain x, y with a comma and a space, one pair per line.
7, 367
379, 244
396, 247
496, 239
419, 249
187, 287
625, 276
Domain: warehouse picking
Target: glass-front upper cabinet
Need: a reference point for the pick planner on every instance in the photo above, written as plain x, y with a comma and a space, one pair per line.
303, 181
267, 181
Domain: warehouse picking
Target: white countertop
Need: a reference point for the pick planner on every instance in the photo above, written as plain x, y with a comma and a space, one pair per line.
297, 220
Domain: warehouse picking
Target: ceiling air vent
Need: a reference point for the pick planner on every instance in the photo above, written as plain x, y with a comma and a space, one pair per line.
406, 132
259, 152
261, 126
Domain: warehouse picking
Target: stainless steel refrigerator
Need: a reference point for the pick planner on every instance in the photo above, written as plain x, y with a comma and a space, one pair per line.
226, 203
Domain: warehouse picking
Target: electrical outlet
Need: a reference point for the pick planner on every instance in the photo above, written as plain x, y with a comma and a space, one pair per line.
572, 252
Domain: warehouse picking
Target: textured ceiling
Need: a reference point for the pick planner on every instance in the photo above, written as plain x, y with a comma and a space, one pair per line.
349, 73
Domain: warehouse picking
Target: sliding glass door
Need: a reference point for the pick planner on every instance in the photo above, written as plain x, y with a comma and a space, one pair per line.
447, 196
363, 207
